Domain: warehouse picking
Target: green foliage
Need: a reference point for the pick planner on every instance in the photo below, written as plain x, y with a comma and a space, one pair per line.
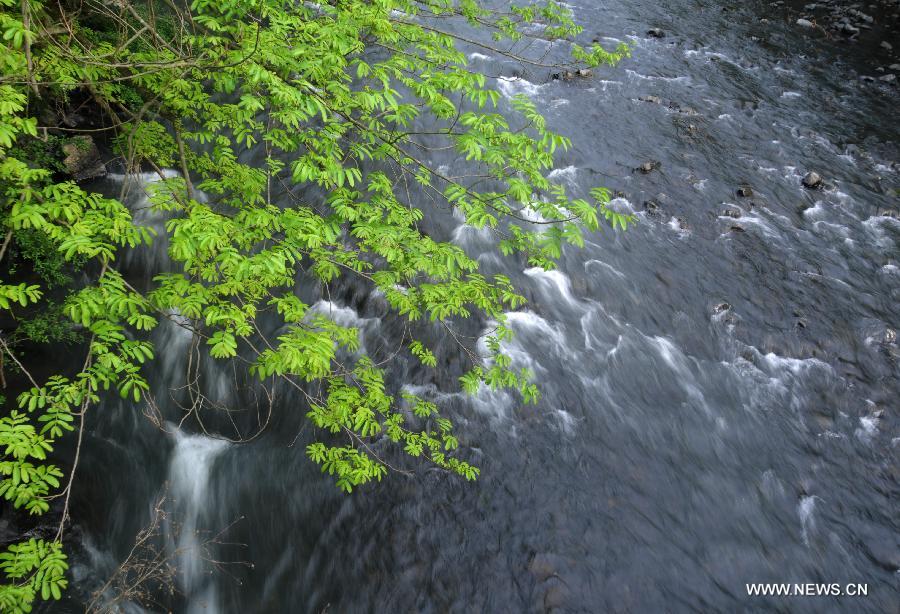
36, 248
36, 568
332, 94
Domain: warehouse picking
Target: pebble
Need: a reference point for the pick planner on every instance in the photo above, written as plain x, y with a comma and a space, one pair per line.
806, 23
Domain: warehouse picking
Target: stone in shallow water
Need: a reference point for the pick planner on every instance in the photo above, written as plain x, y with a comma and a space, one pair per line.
656, 33
812, 180
745, 191
652, 207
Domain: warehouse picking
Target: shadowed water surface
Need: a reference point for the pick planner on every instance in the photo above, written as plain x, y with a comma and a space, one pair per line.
719, 383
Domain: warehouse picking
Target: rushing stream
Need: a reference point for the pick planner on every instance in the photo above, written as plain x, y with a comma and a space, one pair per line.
720, 382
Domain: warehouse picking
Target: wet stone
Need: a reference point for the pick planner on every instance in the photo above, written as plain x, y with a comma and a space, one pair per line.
812, 180
652, 207
745, 191
82, 159
656, 33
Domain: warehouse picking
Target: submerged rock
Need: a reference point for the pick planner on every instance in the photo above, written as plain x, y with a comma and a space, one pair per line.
812, 180
732, 212
648, 167
656, 33
745, 191
652, 207
651, 99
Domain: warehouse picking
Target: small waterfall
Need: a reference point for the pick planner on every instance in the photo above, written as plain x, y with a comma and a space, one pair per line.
189, 473
191, 461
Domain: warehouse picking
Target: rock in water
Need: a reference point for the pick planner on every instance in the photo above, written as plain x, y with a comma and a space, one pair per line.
721, 307
745, 191
82, 159
652, 207
655, 33
812, 180
805, 23
585, 72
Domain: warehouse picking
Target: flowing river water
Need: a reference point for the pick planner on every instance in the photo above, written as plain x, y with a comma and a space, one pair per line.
720, 382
